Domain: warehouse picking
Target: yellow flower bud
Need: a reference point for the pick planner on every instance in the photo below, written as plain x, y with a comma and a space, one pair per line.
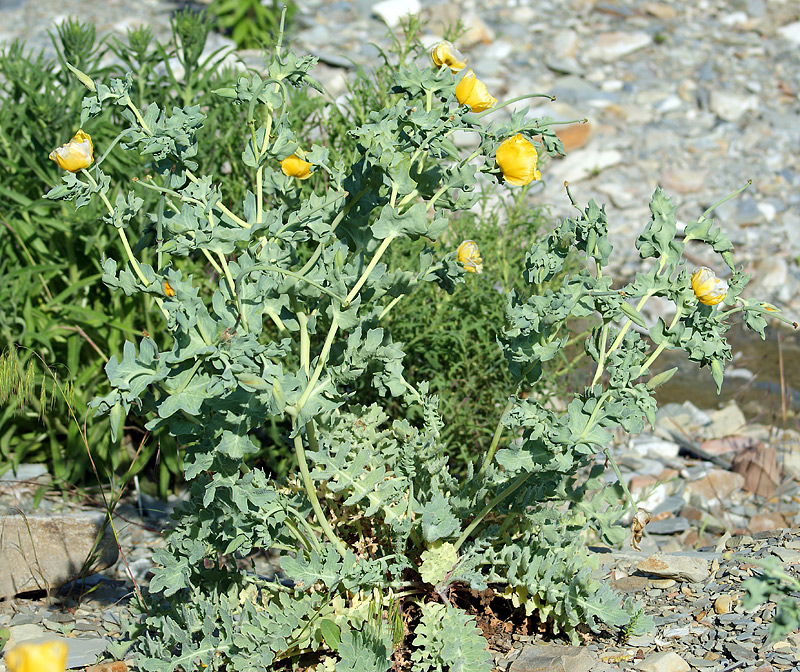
76, 154
168, 290
469, 256
294, 166
472, 91
46, 657
707, 287
445, 53
517, 158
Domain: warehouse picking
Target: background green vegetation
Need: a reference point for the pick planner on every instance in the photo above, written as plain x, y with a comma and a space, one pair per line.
55, 311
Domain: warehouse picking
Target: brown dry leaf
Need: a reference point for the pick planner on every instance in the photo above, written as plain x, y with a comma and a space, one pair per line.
638, 524
729, 444
759, 466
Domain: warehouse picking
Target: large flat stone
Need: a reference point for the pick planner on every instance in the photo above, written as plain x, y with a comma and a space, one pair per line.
43, 552
551, 658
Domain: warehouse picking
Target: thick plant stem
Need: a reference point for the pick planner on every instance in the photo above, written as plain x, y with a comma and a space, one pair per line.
498, 432
510, 490
368, 271
300, 451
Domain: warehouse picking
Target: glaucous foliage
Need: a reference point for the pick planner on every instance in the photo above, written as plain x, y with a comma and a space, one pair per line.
373, 525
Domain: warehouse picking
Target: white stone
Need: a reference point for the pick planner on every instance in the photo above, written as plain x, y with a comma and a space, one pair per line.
790, 32
609, 47
730, 106
666, 661
394, 11
584, 163
652, 446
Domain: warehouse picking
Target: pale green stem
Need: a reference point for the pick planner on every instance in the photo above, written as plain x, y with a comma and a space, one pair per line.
506, 103
510, 490
408, 197
321, 362
389, 306
436, 196
299, 276
631, 501
628, 323
498, 433
275, 318
232, 287
711, 209
372, 264
305, 343
337, 220
601, 364
661, 346
213, 262
122, 235
311, 492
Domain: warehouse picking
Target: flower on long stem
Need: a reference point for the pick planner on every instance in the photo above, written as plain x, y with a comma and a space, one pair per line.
707, 287
445, 53
294, 166
518, 159
75, 155
469, 256
472, 91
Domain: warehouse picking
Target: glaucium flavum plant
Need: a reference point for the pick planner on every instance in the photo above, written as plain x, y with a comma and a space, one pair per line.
277, 304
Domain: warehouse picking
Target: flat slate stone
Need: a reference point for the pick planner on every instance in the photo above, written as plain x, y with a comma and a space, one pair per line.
43, 552
553, 659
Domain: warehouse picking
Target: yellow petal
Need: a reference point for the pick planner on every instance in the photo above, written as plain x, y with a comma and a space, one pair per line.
46, 657
445, 53
473, 92
518, 159
707, 287
294, 166
469, 256
76, 155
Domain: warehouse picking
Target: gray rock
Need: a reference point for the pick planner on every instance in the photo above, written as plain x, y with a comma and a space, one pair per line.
553, 659
43, 552
668, 525
666, 661
678, 567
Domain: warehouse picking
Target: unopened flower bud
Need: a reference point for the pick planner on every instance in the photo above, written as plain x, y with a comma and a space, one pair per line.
707, 287
445, 53
472, 91
76, 154
469, 256
294, 166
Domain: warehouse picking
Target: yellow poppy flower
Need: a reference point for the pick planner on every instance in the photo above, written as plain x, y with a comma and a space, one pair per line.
469, 256
294, 166
473, 92
517, 158
46, 657
707, 287
445, 53
76, 154
168, 290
